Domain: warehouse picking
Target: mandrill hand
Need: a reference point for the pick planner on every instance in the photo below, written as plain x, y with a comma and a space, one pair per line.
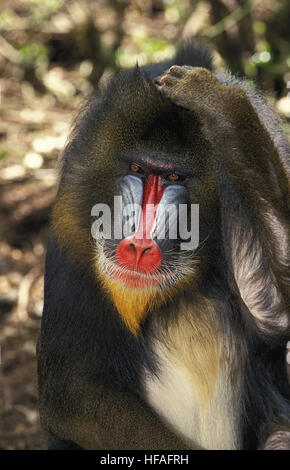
197, 89
279, 440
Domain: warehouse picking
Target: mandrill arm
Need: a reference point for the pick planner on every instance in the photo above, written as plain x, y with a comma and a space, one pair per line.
108, 418
250, 156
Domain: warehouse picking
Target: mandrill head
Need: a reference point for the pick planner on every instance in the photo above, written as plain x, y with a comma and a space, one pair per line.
138, 180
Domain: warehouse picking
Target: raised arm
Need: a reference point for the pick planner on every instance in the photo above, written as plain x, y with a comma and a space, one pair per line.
253, 188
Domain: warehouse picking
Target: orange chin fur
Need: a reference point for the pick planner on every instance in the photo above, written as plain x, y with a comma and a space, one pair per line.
133, 304
133, 301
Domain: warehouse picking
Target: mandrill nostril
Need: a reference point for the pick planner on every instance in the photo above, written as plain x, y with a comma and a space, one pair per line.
141, 251
139, 254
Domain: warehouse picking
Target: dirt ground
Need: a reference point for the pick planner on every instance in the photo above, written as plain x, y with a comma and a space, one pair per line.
32, 128
24, 216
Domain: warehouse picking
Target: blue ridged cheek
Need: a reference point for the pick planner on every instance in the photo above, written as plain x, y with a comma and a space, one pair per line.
167, 216
127, 215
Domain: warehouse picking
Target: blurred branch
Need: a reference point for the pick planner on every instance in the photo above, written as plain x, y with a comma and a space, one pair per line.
9, 52
231, 19
23, 292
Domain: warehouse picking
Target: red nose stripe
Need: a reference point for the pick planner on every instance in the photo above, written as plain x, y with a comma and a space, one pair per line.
139, 252
152, 195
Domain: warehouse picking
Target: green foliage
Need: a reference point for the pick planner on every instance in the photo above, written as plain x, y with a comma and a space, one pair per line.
3, 153
7, 18
148, 49
41, 10
49, 5
33, 53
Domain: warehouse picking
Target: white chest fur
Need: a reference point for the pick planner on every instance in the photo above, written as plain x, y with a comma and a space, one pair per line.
195, 390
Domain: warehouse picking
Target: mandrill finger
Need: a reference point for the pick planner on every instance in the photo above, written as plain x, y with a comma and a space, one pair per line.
279, 440
167, 81
175, 72
179, 71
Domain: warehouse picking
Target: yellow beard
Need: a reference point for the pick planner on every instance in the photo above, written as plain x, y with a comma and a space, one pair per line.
132, 304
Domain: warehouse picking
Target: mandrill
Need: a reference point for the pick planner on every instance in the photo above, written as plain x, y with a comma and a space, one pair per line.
164, 327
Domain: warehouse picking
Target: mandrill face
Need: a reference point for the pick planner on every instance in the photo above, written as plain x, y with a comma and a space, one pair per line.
149, 254
144, 267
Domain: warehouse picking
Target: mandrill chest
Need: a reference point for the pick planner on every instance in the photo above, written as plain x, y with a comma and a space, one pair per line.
195, 390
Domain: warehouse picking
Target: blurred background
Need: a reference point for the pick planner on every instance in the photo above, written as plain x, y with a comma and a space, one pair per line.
52, 54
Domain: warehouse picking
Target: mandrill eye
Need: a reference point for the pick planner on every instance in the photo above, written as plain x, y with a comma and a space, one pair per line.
135, 168
172, 177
